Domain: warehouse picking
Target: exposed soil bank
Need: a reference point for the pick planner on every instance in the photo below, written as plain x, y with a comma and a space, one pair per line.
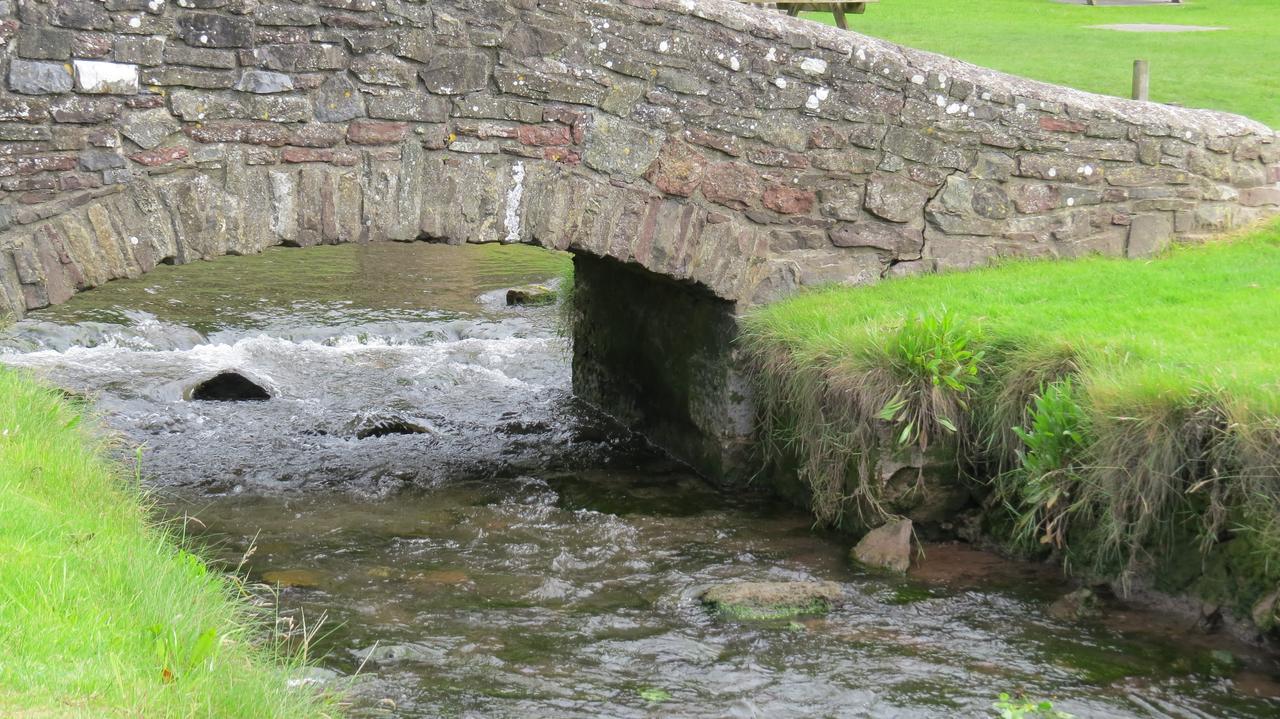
1120, 417
104, 613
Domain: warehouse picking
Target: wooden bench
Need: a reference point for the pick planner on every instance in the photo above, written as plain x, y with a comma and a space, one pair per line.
837, 9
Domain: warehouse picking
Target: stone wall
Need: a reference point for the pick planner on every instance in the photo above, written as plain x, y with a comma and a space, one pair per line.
720, 145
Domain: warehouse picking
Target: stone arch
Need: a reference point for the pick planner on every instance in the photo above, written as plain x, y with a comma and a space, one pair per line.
719, 148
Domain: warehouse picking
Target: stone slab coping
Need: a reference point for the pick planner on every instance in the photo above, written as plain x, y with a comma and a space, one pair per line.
1156, 27
877, 53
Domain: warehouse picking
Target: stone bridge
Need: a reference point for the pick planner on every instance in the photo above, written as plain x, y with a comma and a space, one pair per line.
697, 156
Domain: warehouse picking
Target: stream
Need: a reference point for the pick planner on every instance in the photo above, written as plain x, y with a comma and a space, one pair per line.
473, 542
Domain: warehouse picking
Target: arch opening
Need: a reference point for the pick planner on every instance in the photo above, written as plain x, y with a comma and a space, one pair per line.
658, 355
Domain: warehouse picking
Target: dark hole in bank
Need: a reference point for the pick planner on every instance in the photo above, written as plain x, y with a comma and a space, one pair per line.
229, 387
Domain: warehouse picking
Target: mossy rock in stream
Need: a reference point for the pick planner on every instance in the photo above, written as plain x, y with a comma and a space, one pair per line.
531, 295
759, 601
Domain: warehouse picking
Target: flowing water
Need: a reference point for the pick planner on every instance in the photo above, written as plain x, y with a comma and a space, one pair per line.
480, 545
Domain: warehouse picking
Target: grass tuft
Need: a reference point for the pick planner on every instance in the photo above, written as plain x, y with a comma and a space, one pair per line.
104, 612
1122, 409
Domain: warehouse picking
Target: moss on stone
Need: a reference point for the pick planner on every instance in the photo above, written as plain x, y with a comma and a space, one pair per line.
765, 601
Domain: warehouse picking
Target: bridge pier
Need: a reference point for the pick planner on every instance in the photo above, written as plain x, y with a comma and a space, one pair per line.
659, 356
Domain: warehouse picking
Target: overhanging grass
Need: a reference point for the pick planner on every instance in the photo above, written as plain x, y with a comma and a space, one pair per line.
103, 614
1224, 70
1165, 371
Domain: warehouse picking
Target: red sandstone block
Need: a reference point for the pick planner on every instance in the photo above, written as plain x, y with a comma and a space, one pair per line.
32, 165
40, 182
78, 181
346, 157
1057, 124
789, 200
376, 132
825, 137
35, 198
728, 144
543, 135
677, 170
306, 154
159, 156
730, 184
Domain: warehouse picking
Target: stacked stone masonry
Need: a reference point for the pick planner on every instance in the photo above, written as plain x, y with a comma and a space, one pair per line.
710, 142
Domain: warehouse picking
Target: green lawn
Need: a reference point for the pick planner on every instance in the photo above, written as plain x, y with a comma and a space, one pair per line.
102, 614
1231, 70
1145, 397
1204, 314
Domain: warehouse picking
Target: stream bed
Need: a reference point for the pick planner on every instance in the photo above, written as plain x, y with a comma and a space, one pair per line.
473, 542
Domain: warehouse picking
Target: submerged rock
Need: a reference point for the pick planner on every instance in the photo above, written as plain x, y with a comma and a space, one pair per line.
1080, 604
1218, 663
772, 600
304, 578
886, 547
228, 386
408, 652
531, 295
388, 422
383, 426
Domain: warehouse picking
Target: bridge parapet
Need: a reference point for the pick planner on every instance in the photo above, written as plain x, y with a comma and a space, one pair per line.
733, 150
706, 141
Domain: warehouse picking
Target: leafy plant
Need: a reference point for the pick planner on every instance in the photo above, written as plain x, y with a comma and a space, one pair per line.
1007, 707
1040, 490
180, 657
936, 358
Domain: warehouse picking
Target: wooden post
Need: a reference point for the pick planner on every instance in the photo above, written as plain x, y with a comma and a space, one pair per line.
1141, 80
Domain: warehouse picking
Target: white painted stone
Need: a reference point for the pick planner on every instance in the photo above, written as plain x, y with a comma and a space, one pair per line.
813, 65
106, 78
815, 100
515, 197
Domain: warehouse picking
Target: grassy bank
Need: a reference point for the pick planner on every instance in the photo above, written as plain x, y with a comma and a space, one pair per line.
103, 614
1124, 413
1050, 41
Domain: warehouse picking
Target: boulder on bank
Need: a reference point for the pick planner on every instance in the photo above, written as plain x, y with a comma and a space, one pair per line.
228, 386
771, 600
1074, 606
886, 547
531, 295
1266, 612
